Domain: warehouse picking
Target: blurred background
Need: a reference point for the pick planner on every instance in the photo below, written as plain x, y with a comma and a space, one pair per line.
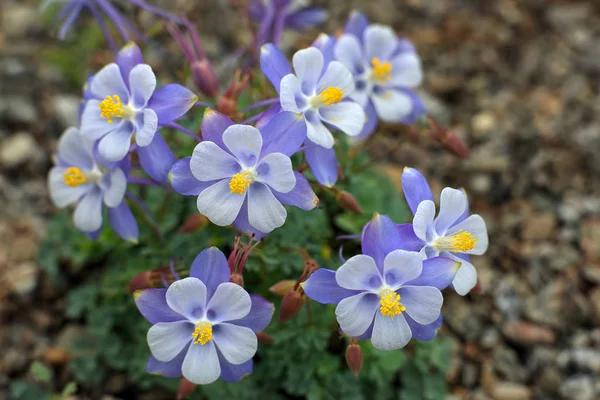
518, 80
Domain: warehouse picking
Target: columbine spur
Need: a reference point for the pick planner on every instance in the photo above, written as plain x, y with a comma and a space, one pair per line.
385, 70
79, 178
242, 175
453, 234
123, 103
204, 327
383, 294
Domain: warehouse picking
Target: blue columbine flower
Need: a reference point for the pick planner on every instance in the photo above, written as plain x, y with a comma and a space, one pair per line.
242, 175
204, 327
316, 92
122, 102
453, 234
80, 178
385, 294
385, 70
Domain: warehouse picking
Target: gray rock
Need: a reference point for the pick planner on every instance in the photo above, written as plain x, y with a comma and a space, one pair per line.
507, 364
19, 20
510, 391
580, 387
19, 109
66, 109
18, 149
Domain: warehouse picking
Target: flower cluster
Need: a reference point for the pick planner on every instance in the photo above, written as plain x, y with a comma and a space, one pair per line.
205, 326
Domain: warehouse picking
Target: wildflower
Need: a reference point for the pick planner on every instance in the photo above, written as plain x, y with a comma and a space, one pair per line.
242, 175
78, 178
381, 294
452, 234
123, 103
385, 70
204, 327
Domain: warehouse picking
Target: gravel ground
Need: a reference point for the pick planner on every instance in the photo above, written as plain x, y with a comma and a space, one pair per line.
518, 80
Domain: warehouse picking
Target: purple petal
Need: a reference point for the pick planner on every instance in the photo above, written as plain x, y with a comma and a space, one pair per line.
231, 372
424, 332
127, 58
274, 64
210, 266
437, 272
183, 181
423, 303
323, 163
170, 369
267, 116
284, 134
152, 304
260, 314
356, 25
301, 196
408, 240
171, 101
157, 159
325, 44
355, 313
306, 18
415, 188
321, 286
213, 125
123, 222
371, 123
380, 237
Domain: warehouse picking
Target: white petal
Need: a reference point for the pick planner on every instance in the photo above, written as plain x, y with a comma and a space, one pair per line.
142, 83
118, 185
401, 266
355, 313
348, 51
423, 303
201, 364
75, 150
359, 273
318, 133
146, 127
187, 297
62, 194
348, 117
289, 90
88, 213
109, 82
167, 339
392, 105
339, 76
238, 344
210, 162
380, 42
308, 65
406, 70
94, 126
219, 204
390, 333
275, 170
115, 145
265, 212
466, 277
423, 219
475, 225
230, 302
244, 142
453, 203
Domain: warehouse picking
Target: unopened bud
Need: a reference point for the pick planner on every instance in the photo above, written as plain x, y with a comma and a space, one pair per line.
290, 306
141, 281
264, 338
205, 78
185, 389
455, 144
354, 358
282, 288
193, 223
227, 106
348, 202
237, 279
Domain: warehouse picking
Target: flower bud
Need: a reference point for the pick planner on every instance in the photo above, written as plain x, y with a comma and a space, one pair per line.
348, 202
455, 144
290, 306
193, 223
185, 389
282, 288
205, 78
237, 279
310, 266
354, 357
141, 281
264, 338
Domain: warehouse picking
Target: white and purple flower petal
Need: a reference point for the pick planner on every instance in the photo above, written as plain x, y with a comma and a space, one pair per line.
229, 302
167, 339
210, 266
244, 142
355, 313
322, 286
187, 297
390, 333
348, 117
152, 304
238, 344
359, 273
209, 162
275, 170
401, 266
142, 83
171, 101
201, 364
183, 181
265, 212
423, 303
474, 225
88, 213
452, 205
219, 204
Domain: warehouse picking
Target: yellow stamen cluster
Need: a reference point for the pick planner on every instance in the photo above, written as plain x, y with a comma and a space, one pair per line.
240, 182
74, 177
331, 96
461, 241
381, 71
390, 305
111, 107
202, 333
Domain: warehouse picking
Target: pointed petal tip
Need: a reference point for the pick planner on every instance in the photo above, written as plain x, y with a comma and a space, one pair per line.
138, 293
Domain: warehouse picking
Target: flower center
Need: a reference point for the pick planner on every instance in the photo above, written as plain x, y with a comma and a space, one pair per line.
461, 241
240, 182
381, 71
111, 107
390, 305
328, 97
202, 333
74, 177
